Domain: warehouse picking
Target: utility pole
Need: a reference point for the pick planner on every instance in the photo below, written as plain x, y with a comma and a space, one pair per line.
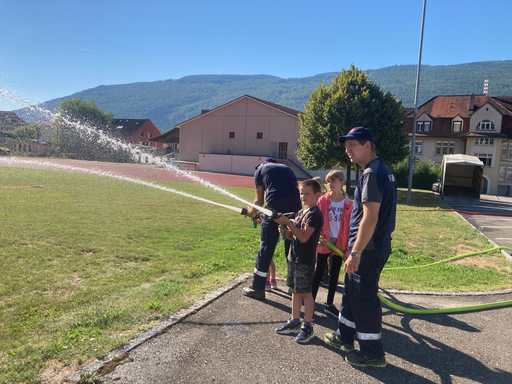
415, 120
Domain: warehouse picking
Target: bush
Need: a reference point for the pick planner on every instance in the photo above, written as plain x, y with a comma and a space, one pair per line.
424, 174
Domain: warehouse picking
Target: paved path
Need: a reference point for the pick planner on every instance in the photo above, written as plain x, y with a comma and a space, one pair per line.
232, 340
491, 215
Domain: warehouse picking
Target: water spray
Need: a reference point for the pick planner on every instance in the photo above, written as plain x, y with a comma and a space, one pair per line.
423, 311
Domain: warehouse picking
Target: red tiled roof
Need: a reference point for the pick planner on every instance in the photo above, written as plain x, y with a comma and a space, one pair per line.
463, 105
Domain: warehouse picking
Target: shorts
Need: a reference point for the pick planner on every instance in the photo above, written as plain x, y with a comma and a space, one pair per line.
300, 277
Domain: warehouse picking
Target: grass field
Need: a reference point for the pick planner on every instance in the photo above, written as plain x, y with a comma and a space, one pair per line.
89, 262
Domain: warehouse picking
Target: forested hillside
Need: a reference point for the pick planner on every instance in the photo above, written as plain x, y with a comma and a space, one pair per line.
169, 102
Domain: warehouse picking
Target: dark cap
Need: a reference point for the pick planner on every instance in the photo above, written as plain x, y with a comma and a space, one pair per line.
266, 159
357, 133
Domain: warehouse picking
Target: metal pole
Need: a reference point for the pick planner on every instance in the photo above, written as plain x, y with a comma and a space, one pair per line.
415, 120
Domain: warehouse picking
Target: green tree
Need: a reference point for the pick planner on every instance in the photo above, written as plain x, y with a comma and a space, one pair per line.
25, 133
82, 131
352, 100
86, 113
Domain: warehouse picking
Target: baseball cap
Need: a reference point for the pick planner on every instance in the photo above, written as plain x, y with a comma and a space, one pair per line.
357, 133
266, 159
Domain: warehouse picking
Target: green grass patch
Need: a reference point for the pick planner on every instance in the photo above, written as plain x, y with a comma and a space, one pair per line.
89, 262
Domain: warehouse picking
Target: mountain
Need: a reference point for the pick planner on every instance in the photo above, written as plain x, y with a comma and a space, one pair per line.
169, 102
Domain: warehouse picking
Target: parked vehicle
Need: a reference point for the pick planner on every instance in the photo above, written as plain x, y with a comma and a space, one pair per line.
436, 187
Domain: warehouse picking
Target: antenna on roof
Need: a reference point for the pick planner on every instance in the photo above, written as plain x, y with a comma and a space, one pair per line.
486, 87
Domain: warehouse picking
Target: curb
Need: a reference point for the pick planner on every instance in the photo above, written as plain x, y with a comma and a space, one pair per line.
117, 355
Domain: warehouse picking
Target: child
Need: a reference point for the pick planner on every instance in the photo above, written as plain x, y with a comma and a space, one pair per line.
336, 209
304, 231
271, 282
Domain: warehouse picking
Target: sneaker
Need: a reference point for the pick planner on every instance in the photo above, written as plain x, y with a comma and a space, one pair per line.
332, 339
306, 334
331, 310
361, 360
258, 294
325, 283
288, 328
267, 287
273, 284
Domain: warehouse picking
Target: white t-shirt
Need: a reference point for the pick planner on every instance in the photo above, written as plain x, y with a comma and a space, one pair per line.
335, 212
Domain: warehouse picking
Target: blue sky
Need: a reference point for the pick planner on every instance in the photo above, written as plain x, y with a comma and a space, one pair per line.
53, 48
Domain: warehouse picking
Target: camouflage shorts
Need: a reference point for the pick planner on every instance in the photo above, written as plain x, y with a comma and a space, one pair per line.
300, 277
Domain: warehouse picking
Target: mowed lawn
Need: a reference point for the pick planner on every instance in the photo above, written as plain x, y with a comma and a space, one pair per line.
89, 262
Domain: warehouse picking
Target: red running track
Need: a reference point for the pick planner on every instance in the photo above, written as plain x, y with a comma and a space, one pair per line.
139, 171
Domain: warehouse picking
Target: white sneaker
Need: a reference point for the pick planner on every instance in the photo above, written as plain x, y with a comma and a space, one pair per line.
268, 287
273, 284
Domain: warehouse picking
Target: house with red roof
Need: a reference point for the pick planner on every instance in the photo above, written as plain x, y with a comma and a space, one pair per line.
138, 132
476, 125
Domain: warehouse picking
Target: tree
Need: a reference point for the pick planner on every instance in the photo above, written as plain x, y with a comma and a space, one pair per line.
87, 113
352, 100
82, 130
25, 133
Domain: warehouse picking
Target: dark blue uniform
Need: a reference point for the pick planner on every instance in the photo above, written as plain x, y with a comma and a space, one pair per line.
282, 195
361, 311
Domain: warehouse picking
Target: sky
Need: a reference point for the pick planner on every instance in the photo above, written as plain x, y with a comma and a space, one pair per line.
53, 48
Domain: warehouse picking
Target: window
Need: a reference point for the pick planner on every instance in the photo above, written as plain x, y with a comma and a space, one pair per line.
486, 158
438, 147
457, 126
259, 135
149, 135
141, 134
231, 135
484, 141
486, 125
510, 150
419, 147
501, 174
509, 175
445, 147
423, 126
504, 150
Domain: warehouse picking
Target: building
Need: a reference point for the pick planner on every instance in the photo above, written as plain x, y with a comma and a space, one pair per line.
476, 125
137, 132
170, 141
9, 120
236, 136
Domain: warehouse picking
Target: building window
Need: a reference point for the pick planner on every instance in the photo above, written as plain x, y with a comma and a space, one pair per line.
504, 150
457, 126
259, 135
486, 158
419, 148
445, 147
509, 175
501, 174
423, 126
149, 135
438, 147
451, 148
484, 141
231, 135
485, 125
141, 134
510, 150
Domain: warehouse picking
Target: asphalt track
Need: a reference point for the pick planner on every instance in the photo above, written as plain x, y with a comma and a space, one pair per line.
229, 338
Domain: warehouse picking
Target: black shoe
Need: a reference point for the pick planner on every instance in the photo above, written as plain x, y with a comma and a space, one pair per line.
361, 360
331, 310
258, 294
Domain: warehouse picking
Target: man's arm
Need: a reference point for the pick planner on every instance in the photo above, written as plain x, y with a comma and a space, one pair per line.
258, 200
365, 233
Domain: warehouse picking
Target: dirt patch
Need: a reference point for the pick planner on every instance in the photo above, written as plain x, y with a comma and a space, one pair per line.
483, 261
56, 373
